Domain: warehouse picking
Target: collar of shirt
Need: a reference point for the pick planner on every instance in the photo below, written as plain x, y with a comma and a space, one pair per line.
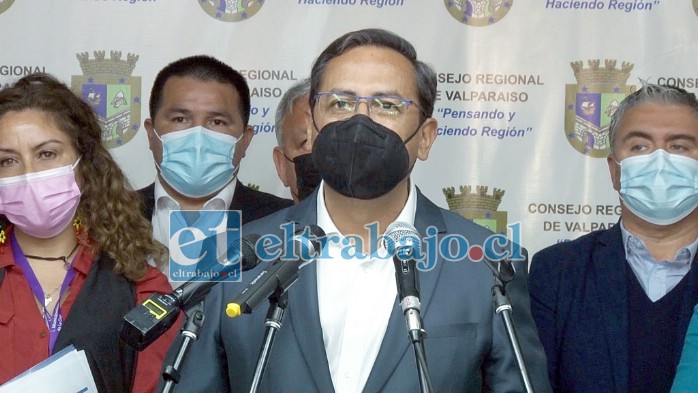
325, 221
164, 203
657, 278
81, 263
353, 333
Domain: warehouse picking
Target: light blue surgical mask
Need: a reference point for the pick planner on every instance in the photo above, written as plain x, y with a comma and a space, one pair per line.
660, 188
197, 162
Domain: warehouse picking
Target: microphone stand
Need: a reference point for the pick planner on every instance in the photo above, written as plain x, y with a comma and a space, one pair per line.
417, 334
408, 291
502, 306
273, 322
189, 333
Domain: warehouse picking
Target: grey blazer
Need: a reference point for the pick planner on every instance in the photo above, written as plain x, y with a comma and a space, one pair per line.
467, 347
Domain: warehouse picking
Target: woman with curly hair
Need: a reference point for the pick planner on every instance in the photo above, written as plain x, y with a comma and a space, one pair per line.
74, 247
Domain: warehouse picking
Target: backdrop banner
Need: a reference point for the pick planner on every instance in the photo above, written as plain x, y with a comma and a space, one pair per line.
526, 88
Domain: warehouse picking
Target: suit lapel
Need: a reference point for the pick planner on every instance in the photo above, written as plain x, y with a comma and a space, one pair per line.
305, 321
305, 317
303, 307
610, 293
240, 196
396, 342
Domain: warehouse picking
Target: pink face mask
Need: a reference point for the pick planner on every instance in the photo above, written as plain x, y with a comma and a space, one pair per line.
41, 204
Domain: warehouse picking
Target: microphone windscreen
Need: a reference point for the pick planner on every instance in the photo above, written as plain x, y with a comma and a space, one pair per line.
316, 233
400, 234
248, 256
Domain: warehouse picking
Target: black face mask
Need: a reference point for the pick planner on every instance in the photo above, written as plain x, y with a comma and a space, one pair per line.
360, 158
307, 177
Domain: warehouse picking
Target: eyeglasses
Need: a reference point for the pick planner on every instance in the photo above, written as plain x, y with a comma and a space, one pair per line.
340, 105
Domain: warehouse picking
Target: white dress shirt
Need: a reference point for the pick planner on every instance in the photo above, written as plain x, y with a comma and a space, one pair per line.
355, 299
164, 203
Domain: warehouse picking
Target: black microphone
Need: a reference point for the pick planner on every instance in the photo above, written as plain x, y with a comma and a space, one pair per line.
403, 238
507, 270
280, 274
151, 319
504, 270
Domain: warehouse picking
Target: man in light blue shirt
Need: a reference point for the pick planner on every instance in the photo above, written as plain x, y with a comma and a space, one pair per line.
613, 306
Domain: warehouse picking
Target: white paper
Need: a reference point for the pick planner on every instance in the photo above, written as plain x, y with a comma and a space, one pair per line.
66, 371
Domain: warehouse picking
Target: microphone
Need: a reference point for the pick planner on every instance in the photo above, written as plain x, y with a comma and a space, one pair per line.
507, 270
280, 274
404, 237
151, 319
504, 271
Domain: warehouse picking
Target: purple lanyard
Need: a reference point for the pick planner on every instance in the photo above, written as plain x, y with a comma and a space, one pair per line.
54, 321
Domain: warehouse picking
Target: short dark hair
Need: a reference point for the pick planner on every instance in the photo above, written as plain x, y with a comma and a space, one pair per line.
660, 94
424, 75
204, 68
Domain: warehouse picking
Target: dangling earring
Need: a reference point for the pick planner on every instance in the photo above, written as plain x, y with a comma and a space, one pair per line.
3, 237
80, 231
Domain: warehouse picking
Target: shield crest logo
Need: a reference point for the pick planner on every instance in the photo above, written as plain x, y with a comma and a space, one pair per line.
231, 10
590, 104
478, 12
113, 94
5, 5
478, 206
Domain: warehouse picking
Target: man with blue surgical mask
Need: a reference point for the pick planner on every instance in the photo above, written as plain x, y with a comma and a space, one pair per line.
613, 306
198, 132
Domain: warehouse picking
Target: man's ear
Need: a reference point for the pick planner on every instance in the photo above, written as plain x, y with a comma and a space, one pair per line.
279, 162
614, 169
311, 132
242, 145
152, 138
427, 138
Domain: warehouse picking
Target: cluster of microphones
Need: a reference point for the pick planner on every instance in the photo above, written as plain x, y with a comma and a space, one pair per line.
149, 320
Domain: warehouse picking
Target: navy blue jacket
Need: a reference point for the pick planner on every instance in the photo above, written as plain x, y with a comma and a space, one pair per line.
580, 304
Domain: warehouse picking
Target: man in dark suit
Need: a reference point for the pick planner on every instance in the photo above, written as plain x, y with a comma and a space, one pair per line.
371, 106
198, 132
613, 306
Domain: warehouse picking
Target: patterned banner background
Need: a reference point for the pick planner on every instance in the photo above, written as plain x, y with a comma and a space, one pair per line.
526, 88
